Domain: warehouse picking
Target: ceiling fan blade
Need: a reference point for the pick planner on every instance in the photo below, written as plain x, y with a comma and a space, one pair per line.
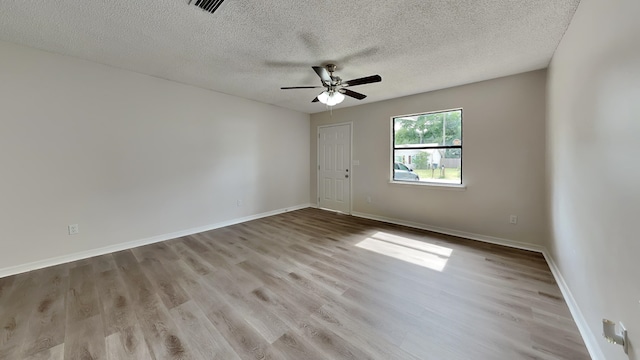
323, 73
353, 94
362, 81
300, 87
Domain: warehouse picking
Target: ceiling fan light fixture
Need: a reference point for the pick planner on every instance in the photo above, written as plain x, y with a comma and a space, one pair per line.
335, 98
324, 97
331, 97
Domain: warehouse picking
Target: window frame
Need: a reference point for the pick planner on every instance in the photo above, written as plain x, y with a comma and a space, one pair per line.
435, 184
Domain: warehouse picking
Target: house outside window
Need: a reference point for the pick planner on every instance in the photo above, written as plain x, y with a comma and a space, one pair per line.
427, 147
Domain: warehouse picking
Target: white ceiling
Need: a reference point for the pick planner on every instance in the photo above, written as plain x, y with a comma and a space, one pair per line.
250, 48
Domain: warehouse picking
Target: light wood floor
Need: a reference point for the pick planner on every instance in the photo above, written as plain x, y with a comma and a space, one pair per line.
307, 284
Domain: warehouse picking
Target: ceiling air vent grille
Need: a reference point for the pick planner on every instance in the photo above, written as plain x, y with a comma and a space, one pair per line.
207, 5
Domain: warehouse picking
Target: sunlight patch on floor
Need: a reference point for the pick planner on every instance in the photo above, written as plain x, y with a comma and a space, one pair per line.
416, 252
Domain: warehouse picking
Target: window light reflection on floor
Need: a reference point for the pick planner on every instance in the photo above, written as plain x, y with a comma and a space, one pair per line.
416, 252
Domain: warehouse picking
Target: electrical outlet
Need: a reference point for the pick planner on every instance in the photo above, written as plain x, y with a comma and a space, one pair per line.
74, 229
513, 219
239, 202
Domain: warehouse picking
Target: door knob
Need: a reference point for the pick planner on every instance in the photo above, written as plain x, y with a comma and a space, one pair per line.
346, 176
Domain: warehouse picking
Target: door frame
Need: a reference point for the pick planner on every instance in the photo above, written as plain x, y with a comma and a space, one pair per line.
350, 123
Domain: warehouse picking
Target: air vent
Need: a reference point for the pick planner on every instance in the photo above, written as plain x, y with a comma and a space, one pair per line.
207, 5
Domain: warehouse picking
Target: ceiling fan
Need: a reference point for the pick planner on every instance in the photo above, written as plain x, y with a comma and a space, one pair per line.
336, 89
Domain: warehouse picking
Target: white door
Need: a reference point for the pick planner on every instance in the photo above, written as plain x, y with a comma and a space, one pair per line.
334, 165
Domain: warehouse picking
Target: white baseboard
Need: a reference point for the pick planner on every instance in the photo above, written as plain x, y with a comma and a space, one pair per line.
585, 331
587, 335
463, 234
132, 244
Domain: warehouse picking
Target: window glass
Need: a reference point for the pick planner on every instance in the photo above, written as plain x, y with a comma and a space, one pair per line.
428, 147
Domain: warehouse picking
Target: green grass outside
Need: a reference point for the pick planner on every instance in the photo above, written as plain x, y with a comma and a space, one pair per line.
450, 174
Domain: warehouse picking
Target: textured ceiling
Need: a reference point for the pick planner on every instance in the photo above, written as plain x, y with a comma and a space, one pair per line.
252, 48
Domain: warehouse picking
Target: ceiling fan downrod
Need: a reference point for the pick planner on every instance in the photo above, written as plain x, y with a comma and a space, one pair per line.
335, 80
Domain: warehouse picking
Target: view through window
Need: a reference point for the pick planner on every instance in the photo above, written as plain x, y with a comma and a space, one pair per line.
427, 147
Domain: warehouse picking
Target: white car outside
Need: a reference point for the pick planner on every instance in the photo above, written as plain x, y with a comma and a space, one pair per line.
402, 172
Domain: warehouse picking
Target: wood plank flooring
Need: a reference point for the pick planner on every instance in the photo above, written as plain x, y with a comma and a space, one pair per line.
307, 284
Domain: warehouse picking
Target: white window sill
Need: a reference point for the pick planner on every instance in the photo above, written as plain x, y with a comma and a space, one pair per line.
431, 185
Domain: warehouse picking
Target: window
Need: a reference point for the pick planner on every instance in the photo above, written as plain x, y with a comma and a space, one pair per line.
427, 148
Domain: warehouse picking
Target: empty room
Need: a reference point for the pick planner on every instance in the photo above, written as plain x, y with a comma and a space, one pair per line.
241, 179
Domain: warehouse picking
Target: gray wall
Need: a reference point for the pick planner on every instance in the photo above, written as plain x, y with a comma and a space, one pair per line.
593, 128
503, 159
127, 156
